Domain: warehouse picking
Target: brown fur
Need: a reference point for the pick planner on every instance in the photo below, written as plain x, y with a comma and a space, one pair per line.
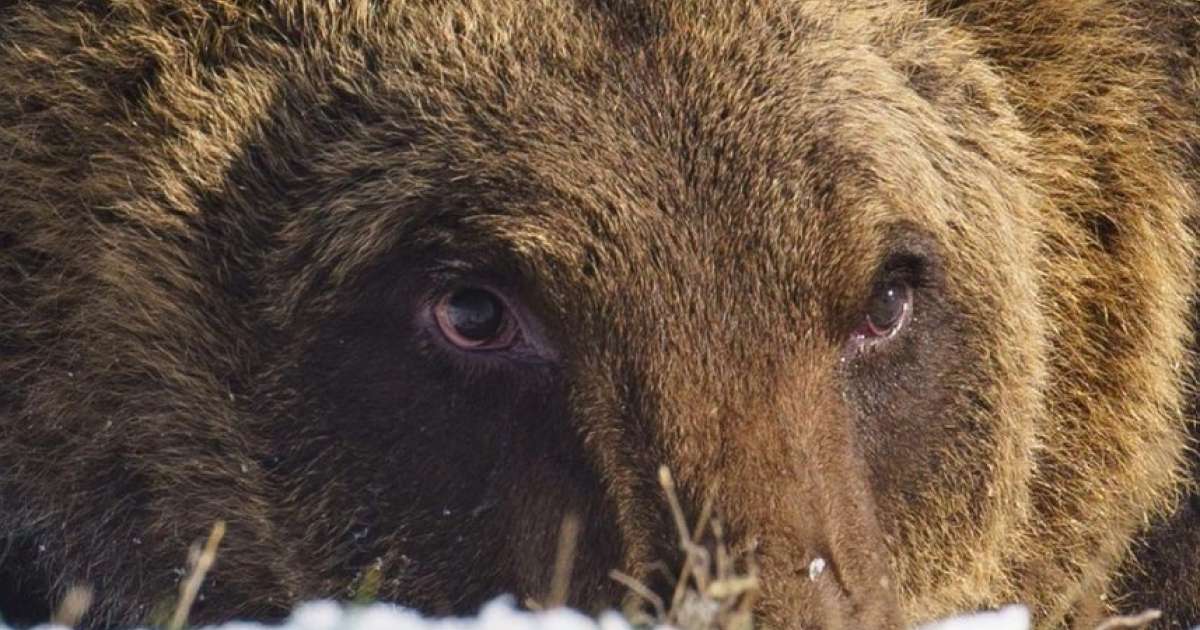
217, 220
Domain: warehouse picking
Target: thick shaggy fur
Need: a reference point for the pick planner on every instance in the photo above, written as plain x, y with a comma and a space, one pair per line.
220, 223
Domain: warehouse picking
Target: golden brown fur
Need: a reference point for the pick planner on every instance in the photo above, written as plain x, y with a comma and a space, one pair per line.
217, 220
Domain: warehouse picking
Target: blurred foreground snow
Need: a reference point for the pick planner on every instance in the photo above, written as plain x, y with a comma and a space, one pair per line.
500, 615
1008, 618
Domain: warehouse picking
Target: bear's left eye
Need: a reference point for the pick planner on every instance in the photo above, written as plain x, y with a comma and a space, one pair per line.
889, 306
887, 312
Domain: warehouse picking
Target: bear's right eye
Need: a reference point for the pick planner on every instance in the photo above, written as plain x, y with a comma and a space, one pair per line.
472, 318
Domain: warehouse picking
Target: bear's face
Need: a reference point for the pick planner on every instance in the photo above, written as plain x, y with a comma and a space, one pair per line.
790, 269
394, 288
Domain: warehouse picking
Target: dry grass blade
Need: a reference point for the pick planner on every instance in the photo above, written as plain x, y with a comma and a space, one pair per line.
639, 589
668, 485
202, 561
1133, 621
732, 587
708, 593
696, 558
73, 607
564, 561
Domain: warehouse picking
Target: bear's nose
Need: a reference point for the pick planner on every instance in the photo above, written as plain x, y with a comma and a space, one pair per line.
803, 573
798, 577
795, 493
825, 594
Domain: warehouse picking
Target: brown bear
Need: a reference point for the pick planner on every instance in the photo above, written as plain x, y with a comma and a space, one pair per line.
395, 287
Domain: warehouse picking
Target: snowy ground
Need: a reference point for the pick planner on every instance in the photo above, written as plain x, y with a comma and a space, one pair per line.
500, 615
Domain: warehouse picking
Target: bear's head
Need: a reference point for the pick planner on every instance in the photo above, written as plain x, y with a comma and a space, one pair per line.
395, 290
545, 254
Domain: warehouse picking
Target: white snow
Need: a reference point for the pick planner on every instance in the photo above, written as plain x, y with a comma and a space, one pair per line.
1007, 618
500, 614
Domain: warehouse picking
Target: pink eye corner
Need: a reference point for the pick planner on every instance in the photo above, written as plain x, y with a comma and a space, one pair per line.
475, 319
888, 311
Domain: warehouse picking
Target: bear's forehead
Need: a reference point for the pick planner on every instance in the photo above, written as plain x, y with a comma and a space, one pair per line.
667, 134
710, 151
714, 100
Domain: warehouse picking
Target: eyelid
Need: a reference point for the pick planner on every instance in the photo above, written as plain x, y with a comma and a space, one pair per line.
906, 266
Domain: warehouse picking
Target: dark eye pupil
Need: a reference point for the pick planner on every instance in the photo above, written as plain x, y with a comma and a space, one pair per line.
475, 314
888, 306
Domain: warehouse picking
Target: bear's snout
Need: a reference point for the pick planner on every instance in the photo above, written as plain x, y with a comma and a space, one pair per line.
790, 490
